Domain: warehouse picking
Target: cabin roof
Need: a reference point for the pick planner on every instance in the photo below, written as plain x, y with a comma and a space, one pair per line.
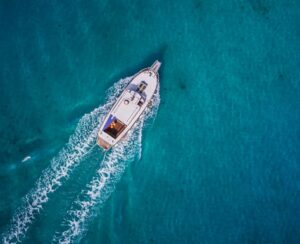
127, 107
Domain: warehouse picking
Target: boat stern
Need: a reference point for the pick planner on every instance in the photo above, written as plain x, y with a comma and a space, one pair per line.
103, 144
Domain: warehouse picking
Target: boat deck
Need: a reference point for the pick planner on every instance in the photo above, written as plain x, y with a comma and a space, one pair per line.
129, 106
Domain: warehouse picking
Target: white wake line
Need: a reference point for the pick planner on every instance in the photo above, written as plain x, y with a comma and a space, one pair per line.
101, 187
80, 143
49, 182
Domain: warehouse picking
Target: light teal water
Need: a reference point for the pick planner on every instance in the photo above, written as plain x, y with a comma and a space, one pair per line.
218, 164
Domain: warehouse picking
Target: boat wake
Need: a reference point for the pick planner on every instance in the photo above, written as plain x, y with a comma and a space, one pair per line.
99, 189
102, 185
78, 146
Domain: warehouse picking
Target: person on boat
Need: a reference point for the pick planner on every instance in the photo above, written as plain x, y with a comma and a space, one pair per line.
112, 125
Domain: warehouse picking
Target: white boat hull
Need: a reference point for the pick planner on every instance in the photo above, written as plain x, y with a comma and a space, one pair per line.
129, 107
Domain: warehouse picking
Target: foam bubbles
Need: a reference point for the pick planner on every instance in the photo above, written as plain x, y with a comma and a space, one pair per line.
100, 188
79, 145
102, 185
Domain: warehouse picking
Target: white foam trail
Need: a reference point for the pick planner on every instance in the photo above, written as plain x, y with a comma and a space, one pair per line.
100, 188
79, 144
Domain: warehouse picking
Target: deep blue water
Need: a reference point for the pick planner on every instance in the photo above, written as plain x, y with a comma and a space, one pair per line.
218, 164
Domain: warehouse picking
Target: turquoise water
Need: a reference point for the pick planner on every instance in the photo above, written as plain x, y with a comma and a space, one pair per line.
217, 163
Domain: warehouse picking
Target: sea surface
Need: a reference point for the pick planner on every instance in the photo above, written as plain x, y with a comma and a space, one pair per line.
215, 160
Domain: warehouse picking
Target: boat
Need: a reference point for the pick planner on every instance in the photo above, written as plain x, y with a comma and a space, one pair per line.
129, 106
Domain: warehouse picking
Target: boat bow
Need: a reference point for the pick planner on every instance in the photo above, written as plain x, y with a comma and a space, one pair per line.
155, 66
